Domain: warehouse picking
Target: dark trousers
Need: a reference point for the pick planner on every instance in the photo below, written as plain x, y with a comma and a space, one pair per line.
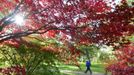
88, 69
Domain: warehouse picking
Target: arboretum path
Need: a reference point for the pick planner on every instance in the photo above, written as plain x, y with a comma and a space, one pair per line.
79, 73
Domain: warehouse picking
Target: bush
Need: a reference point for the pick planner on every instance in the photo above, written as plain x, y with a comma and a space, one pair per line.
125, 61
31, 59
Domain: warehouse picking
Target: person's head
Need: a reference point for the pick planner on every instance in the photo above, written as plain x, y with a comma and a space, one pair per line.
88, 61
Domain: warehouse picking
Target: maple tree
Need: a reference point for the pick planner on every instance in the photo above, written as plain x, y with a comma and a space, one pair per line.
95, 20
73, 22
124, 63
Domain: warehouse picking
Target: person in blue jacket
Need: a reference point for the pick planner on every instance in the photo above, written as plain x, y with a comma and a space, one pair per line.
88, 65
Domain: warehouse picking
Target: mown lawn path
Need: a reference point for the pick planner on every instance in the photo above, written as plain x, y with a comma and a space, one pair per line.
69, 72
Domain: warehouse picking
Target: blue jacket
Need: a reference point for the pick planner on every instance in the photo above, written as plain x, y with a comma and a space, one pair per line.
88, 63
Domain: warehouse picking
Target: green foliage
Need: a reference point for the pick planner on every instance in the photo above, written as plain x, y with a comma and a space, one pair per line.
105, 57
130, 1
35, 61
130, 38
1, 15
90, 51
97, 53
47, 69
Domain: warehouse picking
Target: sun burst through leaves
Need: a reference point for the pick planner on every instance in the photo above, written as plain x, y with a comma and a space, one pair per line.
19, 19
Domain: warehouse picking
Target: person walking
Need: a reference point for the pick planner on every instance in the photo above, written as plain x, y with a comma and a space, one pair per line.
88, 65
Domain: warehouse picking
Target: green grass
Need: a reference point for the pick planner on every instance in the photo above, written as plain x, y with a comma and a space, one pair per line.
96, 67
66, 74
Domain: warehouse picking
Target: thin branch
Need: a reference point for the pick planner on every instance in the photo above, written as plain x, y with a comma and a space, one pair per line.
29, 32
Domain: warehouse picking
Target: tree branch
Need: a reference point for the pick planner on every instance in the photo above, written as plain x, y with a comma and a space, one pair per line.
37, 31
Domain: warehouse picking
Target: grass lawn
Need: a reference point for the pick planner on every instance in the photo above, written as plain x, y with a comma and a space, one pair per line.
96, 67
